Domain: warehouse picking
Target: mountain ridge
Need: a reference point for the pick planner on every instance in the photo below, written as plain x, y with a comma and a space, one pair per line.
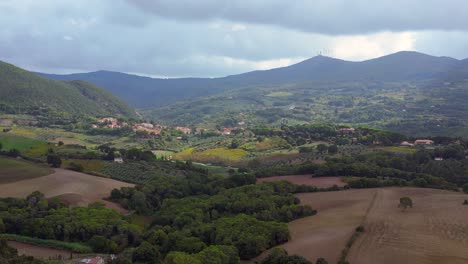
144, 92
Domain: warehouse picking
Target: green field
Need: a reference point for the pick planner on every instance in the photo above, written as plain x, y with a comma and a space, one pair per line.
12, 170
10, 141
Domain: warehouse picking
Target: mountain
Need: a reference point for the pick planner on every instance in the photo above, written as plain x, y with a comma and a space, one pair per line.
143, 92
25, 92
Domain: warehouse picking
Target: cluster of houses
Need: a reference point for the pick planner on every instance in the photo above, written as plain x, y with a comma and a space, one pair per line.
155, 129
109, 122
417, 142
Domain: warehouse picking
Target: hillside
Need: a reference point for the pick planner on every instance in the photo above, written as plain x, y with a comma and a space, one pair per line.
145, 92
406, 91
25, 92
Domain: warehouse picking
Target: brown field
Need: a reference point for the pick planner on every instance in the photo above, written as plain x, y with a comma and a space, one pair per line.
38, 251
434, 231
320, 182
75, 188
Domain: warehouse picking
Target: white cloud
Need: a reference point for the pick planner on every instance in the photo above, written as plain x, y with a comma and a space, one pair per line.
361, 47
238, 27
260, 65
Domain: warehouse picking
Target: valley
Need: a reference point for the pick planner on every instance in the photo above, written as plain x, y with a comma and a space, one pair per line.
300, 168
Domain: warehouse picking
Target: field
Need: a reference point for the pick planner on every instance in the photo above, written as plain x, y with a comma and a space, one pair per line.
434, 231
10, 141
38, 251
320, 182
212, 155
76, 188
13, 170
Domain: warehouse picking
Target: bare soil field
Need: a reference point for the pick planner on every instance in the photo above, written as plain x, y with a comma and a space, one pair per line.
434, 231
320, 182
74, 187
325, 234
37, 251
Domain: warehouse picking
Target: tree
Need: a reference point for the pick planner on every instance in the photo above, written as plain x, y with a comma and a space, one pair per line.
465, 188
1, 146
13, 153
321, 148
321, 261
54, 160
333, 149
102, 244
405, 202
146, 253
235, 144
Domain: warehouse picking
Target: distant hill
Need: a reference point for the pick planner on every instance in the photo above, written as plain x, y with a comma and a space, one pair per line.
407, 91
25, 92
146, 92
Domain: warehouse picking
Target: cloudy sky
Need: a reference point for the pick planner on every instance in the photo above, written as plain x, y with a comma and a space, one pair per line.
208, 38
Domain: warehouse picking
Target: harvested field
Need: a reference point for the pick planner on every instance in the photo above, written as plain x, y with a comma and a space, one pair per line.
320, 182
37, 251
435, 230
325, 234
74, 187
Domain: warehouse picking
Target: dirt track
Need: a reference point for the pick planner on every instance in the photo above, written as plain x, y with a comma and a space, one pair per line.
76, 188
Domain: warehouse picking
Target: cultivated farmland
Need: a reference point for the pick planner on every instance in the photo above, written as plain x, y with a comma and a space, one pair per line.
13, 170
435, 230
76, 188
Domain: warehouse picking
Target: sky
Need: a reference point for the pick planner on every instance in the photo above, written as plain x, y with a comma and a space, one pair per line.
212, 38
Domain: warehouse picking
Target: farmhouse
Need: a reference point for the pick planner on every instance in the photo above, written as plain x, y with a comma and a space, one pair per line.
347, 130
406, 144
423, 142
95, 260
118, 160
184, 130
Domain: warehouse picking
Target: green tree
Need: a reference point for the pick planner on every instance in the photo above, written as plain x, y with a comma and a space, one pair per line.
54, 160
102, 245
176, 257
235, 144
333, 149
465, 188
405, 202
146, 253
321, 261
321, 148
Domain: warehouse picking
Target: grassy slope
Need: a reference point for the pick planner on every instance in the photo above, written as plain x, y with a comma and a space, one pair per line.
12, 170
23, 91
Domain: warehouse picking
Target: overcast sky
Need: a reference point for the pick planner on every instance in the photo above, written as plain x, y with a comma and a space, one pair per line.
209, 38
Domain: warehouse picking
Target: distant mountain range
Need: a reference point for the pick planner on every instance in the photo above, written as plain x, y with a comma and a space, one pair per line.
143, 92
25, 92
405, 91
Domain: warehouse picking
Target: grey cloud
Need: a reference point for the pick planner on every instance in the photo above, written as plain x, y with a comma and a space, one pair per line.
321, 16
